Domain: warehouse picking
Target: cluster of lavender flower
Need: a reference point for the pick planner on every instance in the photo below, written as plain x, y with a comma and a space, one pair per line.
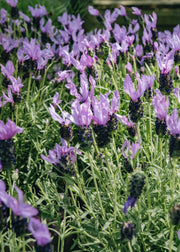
34, 42
23, 218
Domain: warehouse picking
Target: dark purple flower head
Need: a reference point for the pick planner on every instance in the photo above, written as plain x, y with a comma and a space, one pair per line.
93, 11
131, 150
161, 104
13, 3
136, 11
38, 11
130, 90
39, 231
55, 155
173, 123
8, 70
8, 130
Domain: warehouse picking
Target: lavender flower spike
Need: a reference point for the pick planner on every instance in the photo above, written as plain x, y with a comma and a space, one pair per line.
161, 105
8, 130
93, 11
19, 208
39, 231
173, 123
13, 3
130, 90
131, 150
129, 203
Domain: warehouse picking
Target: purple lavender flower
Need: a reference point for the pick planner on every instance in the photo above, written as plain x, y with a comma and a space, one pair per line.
93, 11
39, 231
122, 11
7, 70
131, 125
19, 208
104, 120
8, 43
130, 90
8, 130
129, 203
32, 49
165, 62
136, 185
9, 97
150, 21
16, 85
131, 150
136, 11
84, 88
178, 233
7, 149
13, 3
56, 100
161, 105
62, 120
62, 157
129, 67
25, 17
3, 16
81, 114
38, 11
173, 122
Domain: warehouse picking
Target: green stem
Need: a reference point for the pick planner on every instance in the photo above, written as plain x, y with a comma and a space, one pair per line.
171, 238
96, 186
29, 86
150, 130
129, 246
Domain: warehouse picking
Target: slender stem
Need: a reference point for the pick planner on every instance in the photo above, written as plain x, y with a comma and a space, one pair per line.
150, 130
171, 238
129, 246
96, 186
29, 86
